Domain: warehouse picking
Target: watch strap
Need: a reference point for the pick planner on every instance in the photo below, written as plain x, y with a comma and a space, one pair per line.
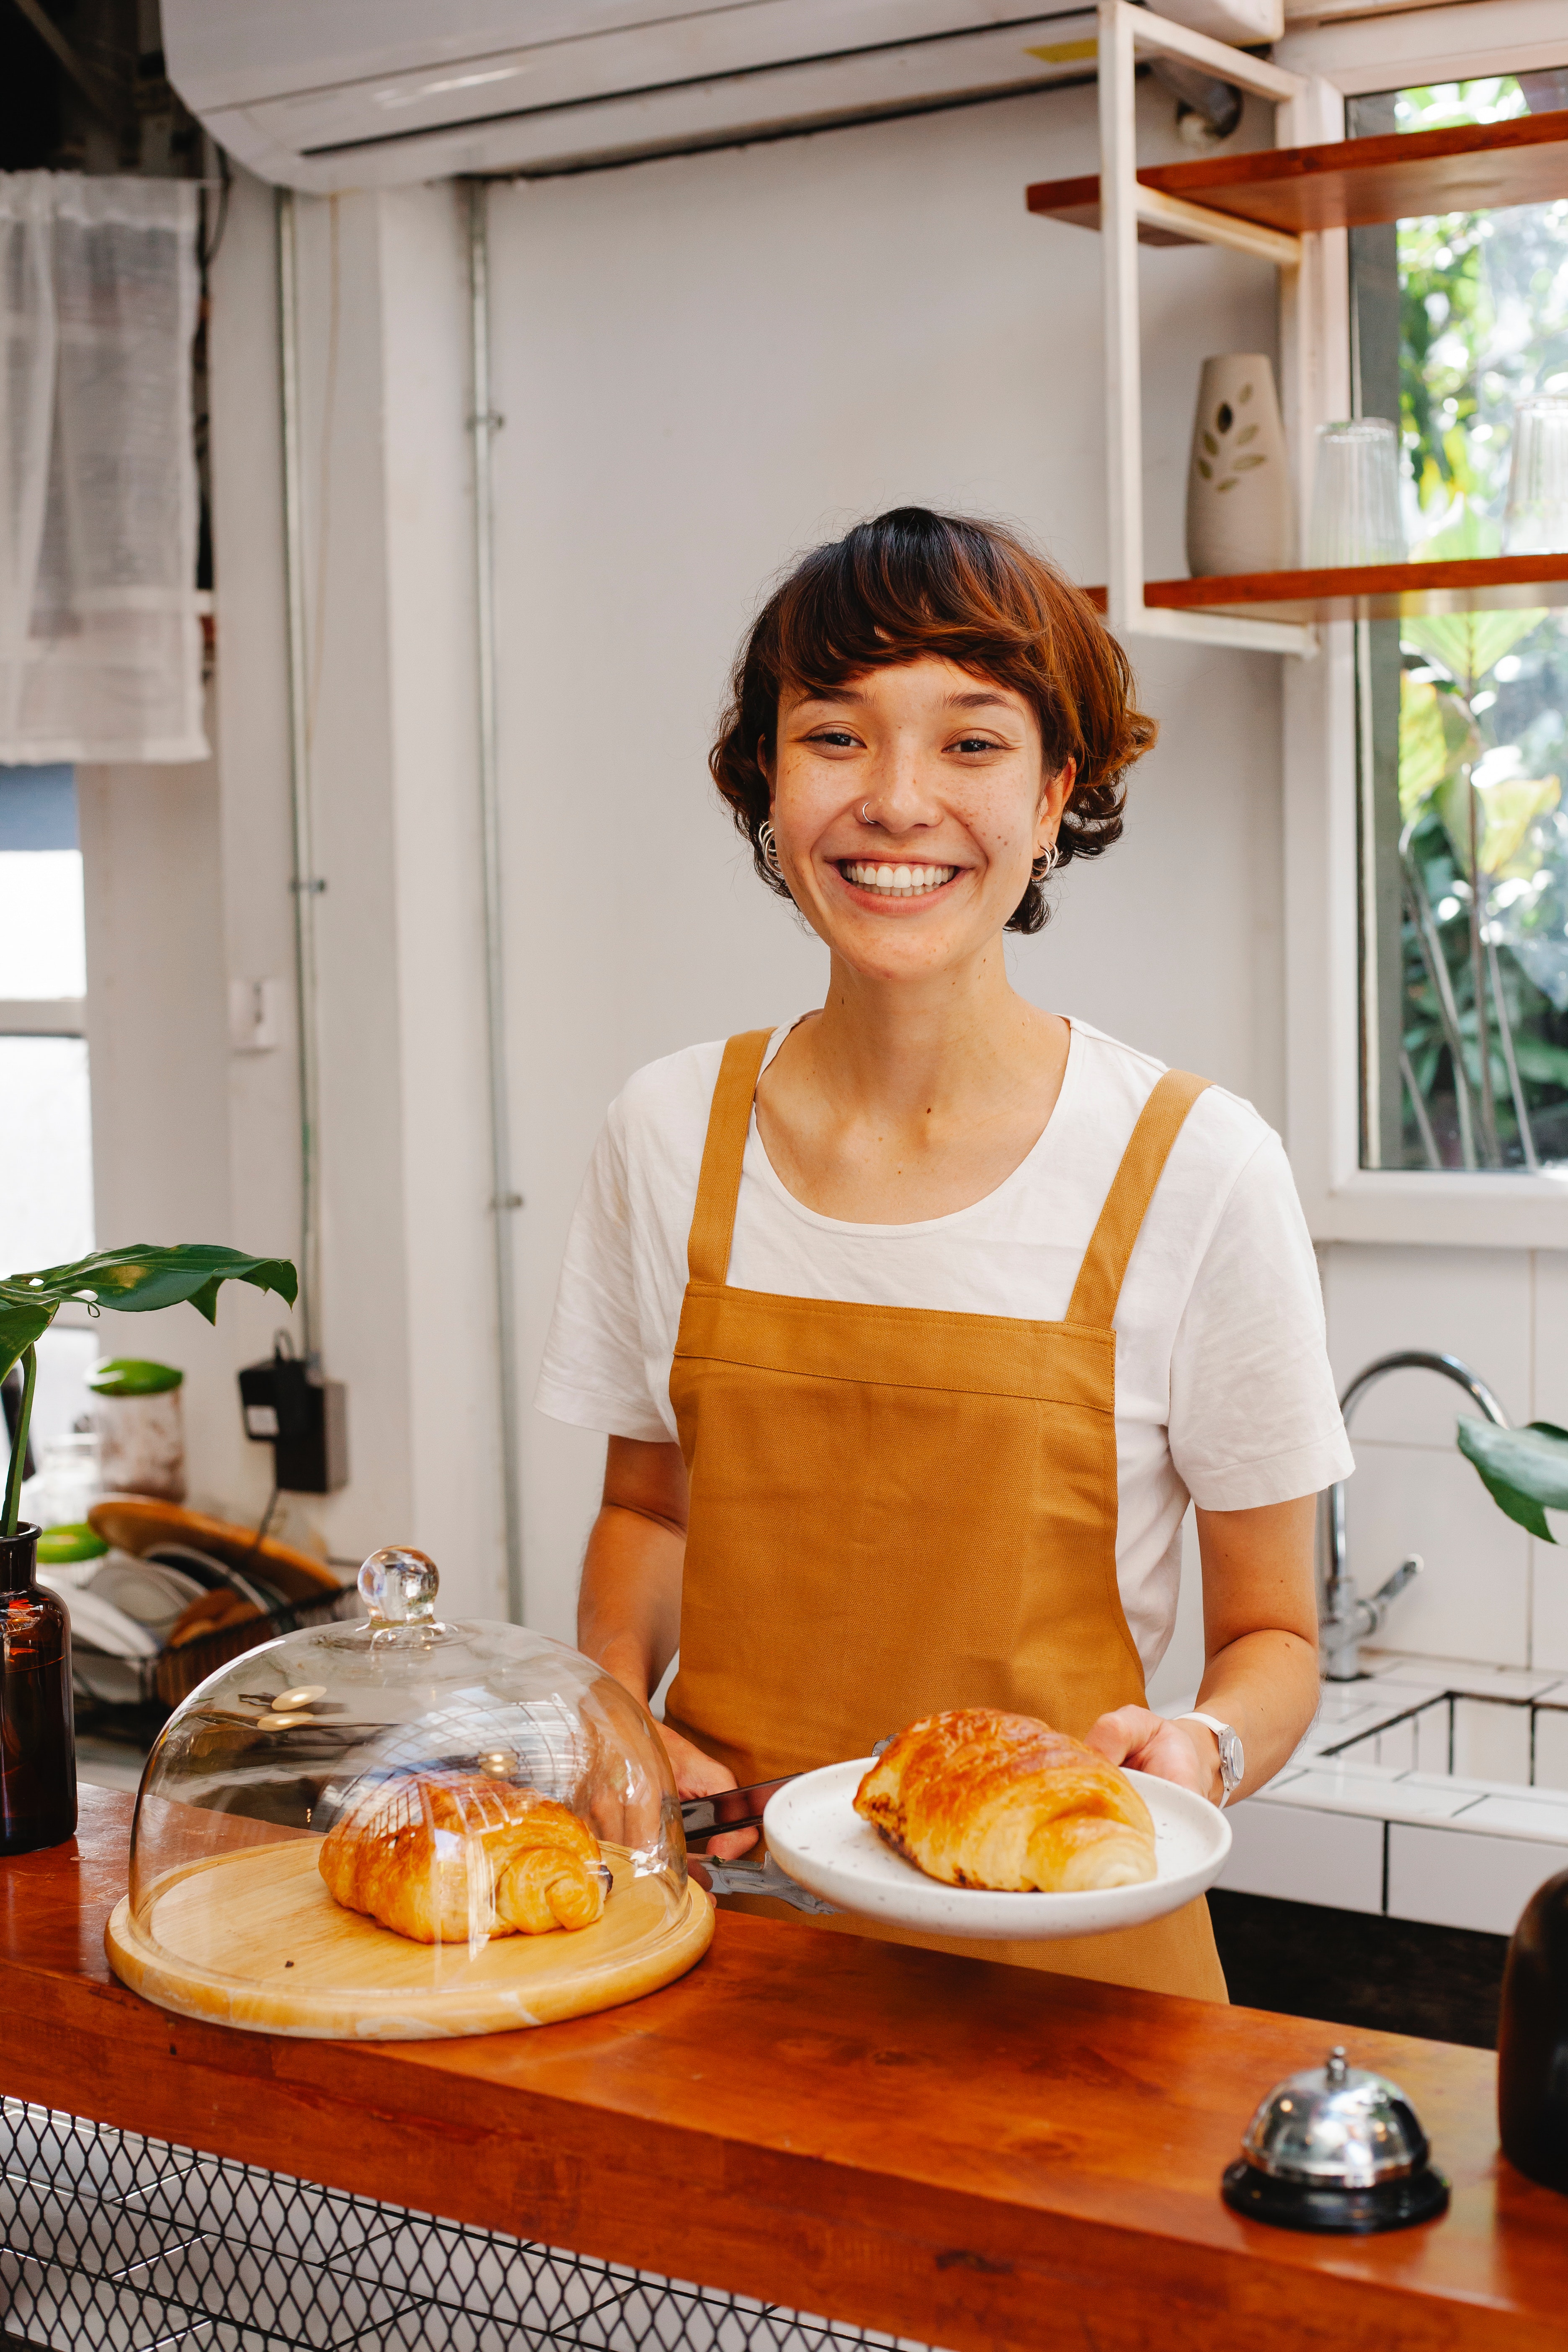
1226, 1739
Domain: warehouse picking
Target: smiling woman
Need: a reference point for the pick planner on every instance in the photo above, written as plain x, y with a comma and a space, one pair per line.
913, 586
976, 1299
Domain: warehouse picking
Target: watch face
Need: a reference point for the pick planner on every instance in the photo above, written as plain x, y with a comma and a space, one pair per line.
1232, 1761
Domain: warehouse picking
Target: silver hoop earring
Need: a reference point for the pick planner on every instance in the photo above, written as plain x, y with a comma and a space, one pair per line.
866, 816
1045, 865
768, 845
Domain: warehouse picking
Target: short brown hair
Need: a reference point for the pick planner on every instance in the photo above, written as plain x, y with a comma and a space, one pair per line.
911, 583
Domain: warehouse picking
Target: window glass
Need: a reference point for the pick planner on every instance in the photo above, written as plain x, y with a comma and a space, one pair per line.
43, 950
46, 1162
46, 1128
1463, 718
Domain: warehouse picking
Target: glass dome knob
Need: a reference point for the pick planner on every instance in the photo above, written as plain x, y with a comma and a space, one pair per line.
398, 1586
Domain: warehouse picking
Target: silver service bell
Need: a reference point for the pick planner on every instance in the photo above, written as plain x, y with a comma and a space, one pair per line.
1336, 2148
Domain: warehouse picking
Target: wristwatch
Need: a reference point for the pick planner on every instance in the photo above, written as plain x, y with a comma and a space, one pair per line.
1232, 1755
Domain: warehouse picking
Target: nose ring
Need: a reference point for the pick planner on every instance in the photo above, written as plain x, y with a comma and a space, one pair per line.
865, 816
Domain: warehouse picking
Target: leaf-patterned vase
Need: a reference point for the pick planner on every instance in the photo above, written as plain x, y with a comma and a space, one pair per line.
1240, 511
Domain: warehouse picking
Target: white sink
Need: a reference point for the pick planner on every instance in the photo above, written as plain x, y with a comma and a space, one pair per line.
1469, 1734
1420, 1791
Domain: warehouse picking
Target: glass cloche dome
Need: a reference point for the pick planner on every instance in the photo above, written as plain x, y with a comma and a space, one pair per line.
404, 1828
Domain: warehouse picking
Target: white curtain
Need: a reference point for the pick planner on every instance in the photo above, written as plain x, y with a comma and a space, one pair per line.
100, 654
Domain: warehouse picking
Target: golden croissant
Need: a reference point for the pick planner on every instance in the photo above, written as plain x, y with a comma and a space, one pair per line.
444, 1858
982, 1799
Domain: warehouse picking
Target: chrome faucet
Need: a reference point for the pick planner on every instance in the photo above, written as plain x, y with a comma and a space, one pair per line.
1344, 1622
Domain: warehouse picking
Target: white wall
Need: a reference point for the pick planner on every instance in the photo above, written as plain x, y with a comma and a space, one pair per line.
189, 887
706, 364
157, 1045
1489, 1592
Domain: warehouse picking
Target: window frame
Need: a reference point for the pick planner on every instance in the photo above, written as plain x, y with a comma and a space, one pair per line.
1463, 40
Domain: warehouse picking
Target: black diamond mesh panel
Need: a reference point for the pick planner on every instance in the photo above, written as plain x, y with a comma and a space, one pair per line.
113, 2243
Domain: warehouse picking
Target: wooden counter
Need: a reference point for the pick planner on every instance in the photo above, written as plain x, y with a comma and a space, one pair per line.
973, 2155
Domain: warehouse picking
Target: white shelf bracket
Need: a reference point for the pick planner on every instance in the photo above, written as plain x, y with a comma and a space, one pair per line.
1125, 33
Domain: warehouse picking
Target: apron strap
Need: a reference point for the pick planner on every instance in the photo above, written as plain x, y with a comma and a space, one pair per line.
1099, 1277
719, 1185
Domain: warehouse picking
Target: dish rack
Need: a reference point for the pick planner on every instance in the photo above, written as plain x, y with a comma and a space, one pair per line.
172, 1675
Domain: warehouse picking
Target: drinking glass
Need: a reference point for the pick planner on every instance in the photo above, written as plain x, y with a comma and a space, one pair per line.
1355, 495
1536, 521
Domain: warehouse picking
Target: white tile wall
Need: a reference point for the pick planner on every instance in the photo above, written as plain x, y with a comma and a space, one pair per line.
1549, 1400
1303, 1856
1492, 1595
1453, 1880
1474, 1304
1472, 1603
1548, 1593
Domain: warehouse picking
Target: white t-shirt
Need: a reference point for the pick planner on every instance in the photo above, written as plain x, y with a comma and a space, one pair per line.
1222, 1387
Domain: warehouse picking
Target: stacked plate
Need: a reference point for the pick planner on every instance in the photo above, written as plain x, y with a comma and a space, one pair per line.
124, 1610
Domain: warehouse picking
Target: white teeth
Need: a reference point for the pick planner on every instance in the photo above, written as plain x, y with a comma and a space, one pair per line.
898, 881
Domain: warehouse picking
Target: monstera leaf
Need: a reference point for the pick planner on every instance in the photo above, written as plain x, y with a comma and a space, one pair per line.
134, 1281
1523, 1470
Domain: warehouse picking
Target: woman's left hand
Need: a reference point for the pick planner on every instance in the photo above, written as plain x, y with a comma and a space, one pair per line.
1153, 1743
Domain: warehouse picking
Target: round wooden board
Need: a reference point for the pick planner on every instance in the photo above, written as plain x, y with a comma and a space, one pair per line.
253, 1938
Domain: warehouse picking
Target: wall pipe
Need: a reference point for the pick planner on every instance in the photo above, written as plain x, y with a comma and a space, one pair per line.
304, 882
483, 424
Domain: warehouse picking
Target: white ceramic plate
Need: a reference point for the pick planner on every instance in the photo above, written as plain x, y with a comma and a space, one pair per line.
146, 1590
816, 1834
97, 1624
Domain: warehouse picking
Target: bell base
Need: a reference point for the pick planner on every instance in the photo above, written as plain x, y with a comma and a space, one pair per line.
1335, 2213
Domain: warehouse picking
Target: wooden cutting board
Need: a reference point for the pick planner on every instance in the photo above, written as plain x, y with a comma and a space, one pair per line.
136, 1522
253, 1938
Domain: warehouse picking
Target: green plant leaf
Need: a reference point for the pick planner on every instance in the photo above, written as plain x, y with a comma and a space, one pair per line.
1436, 736
1538, 1060
20, 1325
1505, 812
1468, 645
1522, 1469
136, 1280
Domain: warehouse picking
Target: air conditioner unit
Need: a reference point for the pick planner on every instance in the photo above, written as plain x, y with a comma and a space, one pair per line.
331, 94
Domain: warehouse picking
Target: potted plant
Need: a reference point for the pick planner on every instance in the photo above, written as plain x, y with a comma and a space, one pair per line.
37, 1759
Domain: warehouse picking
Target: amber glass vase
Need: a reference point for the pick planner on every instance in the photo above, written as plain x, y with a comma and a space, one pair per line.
37, 1743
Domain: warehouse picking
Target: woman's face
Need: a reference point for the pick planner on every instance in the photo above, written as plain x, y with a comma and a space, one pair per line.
948, 769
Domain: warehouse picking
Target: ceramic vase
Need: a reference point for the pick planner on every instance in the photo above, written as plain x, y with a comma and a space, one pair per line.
1240, 514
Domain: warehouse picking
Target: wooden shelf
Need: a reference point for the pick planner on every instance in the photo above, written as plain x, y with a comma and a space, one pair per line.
1370, 592
1350, 183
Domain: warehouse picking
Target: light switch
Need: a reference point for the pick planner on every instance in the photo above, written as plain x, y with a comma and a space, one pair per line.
255, 1015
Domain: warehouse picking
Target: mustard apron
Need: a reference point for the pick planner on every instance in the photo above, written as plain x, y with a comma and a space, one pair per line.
896, 1510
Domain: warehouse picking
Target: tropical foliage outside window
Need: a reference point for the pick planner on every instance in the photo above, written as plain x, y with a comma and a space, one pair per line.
1468, 724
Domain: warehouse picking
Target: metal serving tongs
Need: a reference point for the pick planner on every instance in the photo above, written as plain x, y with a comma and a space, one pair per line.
742, 1809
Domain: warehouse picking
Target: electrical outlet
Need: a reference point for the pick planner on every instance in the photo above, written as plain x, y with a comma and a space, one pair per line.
255, 1015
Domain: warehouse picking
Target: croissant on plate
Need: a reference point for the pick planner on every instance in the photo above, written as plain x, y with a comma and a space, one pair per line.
978, 1798
449, 1857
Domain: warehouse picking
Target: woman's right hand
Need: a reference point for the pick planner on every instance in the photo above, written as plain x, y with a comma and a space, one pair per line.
697, 1775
